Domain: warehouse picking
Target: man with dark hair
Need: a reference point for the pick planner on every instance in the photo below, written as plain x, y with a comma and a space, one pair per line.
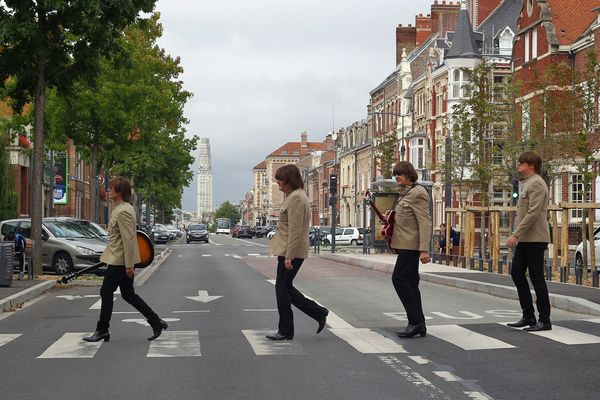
121, 255
530, 238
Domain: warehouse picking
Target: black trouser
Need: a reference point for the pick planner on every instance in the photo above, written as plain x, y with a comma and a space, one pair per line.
21, 258
529, 256
116, 277
406, 282
287, 295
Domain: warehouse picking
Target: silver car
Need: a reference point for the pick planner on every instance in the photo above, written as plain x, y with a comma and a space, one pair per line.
67, 245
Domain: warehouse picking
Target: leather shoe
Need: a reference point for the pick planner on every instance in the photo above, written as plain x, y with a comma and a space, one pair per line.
522, 322
540, 326
277, 336
412, 330
158, 328
322, 321
98, 336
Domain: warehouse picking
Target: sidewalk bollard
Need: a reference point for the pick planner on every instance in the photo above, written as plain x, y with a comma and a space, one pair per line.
500, 265
481, 264
472, 266
548, 270
463, 262
455, 260
595, 276
561, 271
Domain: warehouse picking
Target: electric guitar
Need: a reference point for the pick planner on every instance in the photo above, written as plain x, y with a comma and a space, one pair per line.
387, 220
146, 257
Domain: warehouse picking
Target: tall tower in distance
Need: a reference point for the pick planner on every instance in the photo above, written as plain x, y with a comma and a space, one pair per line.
204, 197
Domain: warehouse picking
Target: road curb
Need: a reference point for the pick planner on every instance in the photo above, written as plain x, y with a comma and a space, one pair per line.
567, 303
25, 295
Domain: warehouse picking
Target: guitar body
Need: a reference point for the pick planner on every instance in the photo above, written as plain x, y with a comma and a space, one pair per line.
146, 257
387, 220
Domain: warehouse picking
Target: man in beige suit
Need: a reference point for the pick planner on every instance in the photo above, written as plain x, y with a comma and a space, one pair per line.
530, 238
290, 245
121, 255
410, 240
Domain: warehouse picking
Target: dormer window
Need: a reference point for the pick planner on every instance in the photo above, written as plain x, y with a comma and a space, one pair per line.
504, 41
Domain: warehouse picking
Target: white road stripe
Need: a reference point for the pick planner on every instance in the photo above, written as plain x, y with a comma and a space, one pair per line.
465, 338
261, 309
191, 311
447, 376
568, 336
266, 347
594, 320
419, 359
367, 341
71, 345
8, 337
253, 254
478, 396
206, 255
175, 344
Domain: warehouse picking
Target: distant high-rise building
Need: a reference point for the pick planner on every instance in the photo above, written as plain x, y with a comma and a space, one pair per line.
204, 196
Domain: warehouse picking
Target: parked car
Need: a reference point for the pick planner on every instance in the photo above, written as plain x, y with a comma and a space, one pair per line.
318, 232
244, 231
351, 236
272, 233
159, 234
579, 250
175, 231
66, 245
92, 227
234, 231
197, 232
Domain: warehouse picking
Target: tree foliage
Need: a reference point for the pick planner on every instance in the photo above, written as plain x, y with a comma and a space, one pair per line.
227, 210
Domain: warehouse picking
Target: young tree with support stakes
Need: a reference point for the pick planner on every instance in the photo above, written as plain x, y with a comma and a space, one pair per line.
49, 44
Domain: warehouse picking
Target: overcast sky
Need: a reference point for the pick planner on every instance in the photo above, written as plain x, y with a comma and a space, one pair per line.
263, 71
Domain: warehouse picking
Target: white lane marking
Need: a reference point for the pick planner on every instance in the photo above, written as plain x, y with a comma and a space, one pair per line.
144, 322
175, 344
252, 243
469, 315
8, 337
478, 396
266, 347
271, 281
431, 391
367, 341
206, 255
236, 256
190, 311
465, 338
126, 312
260, 309
253, 254
419, 359
77, 296
71, 345
447, 376
594, 320
568, 336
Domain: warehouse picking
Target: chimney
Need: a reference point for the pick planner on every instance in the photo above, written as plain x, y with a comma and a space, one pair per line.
328, 142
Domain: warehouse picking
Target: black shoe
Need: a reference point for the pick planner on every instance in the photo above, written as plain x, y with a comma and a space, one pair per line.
522, 322
98, 336
540, 326
412, 330
158, 328
278, 336
322, 321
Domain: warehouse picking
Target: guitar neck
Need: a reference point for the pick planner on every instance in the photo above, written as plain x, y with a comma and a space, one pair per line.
379, 214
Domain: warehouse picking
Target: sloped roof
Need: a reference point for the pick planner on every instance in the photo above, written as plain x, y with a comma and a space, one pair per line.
464, 41
261, 165
296, 149
505, 15
572, 17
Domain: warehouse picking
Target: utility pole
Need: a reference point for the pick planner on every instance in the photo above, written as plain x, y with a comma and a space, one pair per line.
332, 202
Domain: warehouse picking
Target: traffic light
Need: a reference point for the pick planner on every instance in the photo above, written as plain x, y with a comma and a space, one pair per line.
333, 183
515, 190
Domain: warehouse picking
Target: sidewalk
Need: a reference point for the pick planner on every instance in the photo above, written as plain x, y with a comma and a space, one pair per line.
573, 298
21, 291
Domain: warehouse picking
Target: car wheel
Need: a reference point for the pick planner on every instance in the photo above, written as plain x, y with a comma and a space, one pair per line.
62, 263
354, 242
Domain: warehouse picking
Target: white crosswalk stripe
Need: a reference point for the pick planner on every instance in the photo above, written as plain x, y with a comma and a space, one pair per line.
568, 336
175, 344
266, 347
71, 345
8, 337
466, 339
367, 341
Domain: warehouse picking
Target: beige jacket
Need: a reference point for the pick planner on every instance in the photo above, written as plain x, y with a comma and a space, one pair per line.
412, 222
291, 239
531, 222
122, 248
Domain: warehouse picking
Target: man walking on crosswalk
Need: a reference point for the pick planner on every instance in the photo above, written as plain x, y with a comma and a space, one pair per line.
530, 238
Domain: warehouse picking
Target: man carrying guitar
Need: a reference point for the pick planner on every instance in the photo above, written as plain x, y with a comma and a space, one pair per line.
120, 256
410, 239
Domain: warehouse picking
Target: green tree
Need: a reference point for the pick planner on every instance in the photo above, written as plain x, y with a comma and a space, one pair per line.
227, 210
48, 44
386, 154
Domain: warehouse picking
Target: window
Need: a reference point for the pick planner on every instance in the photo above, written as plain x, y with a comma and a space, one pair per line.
527, 47
417, 153
526, 120
459, 84
284, 152
505, 42
534, 44
576, 194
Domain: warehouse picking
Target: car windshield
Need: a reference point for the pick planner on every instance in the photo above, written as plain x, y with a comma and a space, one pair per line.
197, 228
92, 227
69, 229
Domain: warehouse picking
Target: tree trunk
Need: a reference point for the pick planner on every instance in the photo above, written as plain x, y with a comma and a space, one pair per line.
37, 200
94, 185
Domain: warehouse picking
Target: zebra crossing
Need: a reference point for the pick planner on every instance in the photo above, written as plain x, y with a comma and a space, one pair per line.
363, 340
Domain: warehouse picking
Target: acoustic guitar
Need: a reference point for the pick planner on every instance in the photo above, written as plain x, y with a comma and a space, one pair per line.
146, 257
387, 220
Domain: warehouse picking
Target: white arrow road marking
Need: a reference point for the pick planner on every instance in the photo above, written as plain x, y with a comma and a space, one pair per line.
77, 296
175, 344
71, 345
203, 296
267, 347
8, 337
97, 305
447, 376
143, 321
419, 359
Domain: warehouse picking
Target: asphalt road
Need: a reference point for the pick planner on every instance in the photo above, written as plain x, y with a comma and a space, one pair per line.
219, 301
